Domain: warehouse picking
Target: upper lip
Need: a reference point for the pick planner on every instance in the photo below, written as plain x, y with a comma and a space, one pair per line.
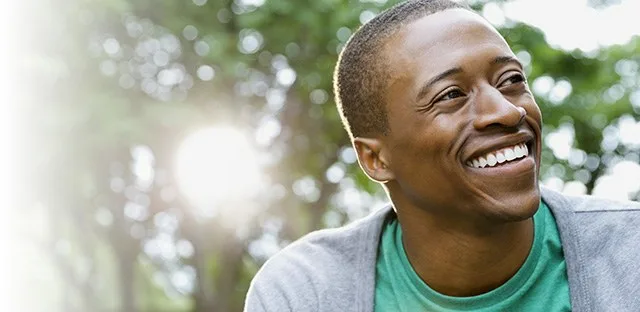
494, 144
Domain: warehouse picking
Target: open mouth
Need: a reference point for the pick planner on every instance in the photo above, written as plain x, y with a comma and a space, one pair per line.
500, 157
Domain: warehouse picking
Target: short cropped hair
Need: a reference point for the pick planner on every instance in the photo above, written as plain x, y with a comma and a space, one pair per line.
361, 74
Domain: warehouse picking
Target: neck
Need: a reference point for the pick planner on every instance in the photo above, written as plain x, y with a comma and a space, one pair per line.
464, 260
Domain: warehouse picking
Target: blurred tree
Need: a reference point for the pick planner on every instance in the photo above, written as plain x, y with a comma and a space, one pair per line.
120, 83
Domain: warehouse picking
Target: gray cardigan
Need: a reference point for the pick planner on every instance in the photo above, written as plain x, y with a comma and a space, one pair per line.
334, 269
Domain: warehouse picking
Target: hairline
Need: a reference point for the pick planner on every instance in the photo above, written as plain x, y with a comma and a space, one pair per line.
380, 67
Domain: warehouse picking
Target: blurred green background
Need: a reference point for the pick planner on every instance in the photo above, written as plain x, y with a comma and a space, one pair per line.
166, 148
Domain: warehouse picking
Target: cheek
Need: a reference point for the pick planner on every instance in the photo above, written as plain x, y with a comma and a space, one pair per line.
423, 144
534, 111
448, 132
427, 149
532, 108
448, 127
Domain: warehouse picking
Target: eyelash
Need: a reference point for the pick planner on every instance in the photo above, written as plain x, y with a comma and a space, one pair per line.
443, 97
518, 76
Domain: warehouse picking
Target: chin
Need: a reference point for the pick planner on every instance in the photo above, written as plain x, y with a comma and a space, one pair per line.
514, 206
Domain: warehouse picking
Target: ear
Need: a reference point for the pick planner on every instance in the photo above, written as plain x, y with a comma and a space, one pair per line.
372, 159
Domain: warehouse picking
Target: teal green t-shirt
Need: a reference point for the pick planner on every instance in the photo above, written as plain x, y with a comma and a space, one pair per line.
540, 285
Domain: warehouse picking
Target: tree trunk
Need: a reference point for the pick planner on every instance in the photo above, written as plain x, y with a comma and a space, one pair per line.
203, 295
126, 266
230, 262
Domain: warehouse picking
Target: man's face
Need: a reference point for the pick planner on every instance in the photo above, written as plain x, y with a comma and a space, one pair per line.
464, 135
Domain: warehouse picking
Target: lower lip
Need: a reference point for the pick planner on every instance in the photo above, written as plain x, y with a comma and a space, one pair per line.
514, 167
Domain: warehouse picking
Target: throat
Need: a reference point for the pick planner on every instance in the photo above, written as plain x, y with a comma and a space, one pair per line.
461, 265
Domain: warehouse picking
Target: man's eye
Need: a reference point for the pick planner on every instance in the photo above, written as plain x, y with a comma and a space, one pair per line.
450, 95
514, 79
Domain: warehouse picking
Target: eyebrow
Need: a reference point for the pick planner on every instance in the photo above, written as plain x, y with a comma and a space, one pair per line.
500, 60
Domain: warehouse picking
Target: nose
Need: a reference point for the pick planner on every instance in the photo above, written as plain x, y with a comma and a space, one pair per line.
494, 109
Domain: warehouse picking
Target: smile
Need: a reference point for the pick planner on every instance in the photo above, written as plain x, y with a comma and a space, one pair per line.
503, 155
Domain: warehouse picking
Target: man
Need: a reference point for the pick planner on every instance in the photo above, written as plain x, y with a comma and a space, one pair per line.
439, 112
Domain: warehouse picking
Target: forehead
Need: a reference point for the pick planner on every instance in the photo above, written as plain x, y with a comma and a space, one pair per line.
440, 41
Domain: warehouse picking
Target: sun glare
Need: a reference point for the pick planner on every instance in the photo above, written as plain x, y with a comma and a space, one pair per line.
216, 166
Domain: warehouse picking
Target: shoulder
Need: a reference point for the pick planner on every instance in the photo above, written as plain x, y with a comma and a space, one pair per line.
600, 242
591, 217
586, 203
317, 266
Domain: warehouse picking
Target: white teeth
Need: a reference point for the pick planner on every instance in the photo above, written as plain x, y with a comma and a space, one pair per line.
509, 154
491, 160
518, 151
483, 162
499, 157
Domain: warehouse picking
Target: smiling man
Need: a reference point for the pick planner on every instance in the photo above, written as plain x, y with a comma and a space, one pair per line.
440, 113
